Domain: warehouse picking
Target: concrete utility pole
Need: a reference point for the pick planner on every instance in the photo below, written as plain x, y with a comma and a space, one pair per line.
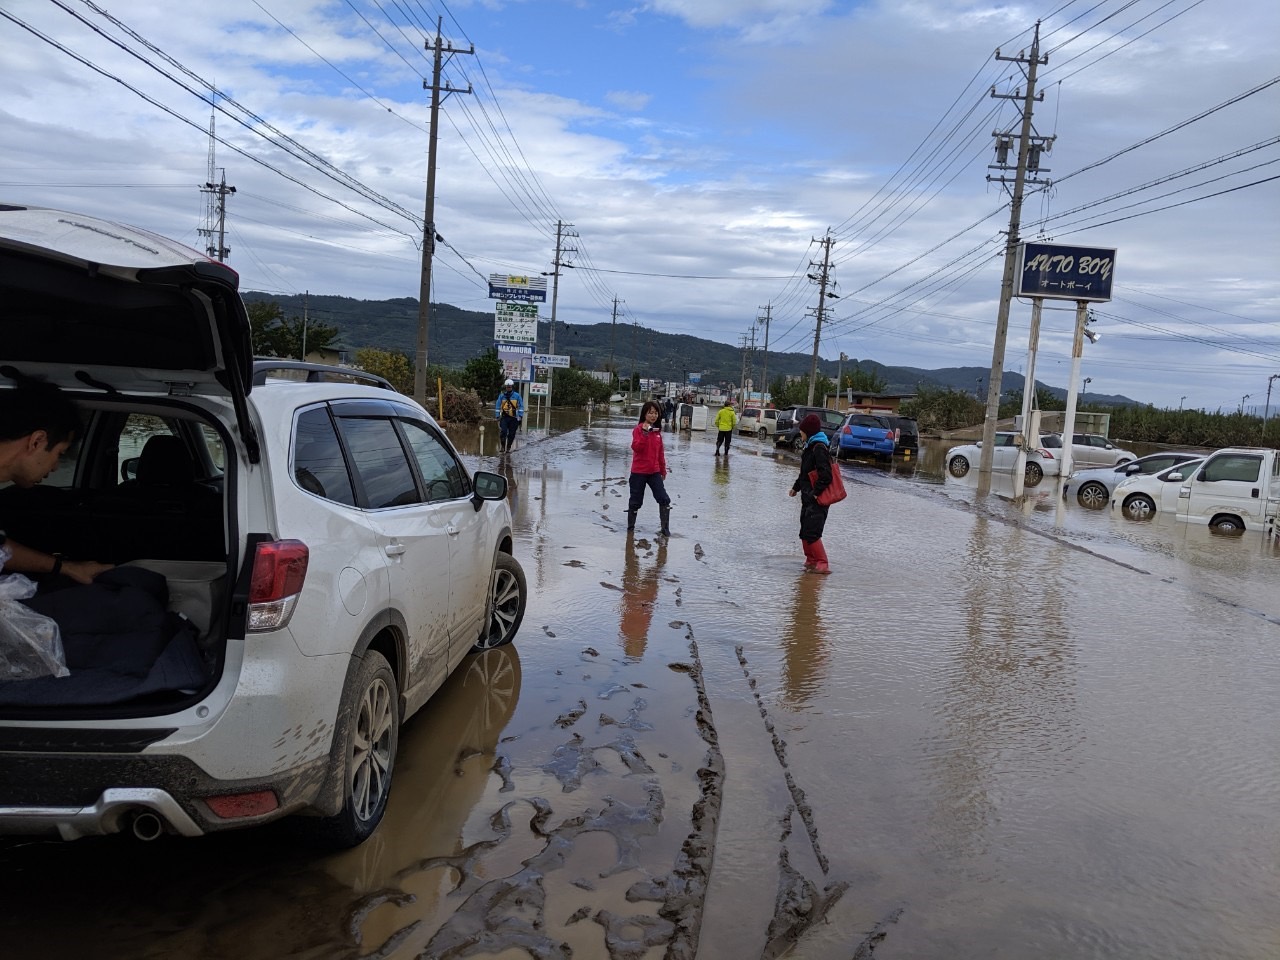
1266, 411
1029, 149
821, 279
742, 374
764, 373
429, 218
562, 232
612, 330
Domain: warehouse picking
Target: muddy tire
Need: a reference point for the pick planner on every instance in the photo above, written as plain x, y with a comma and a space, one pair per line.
763, 434
1033, 474
1139, 506
1093, 495
1227, 524
508, 596
369, 735
958, 466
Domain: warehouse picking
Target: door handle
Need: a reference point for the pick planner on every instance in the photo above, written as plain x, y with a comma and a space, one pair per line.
451, 530
394, 549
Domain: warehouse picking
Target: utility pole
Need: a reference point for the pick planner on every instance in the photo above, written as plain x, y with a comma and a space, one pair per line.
840, 374
305, 298
220, 191
764, 373
612, 330
635, 330
1030, 147
742, 376
821, 279
554, 273
1266, 411
429, 217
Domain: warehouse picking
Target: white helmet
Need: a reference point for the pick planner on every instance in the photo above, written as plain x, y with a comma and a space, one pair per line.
509, 383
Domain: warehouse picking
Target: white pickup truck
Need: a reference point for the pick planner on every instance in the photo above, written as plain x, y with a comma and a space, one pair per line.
1236, 488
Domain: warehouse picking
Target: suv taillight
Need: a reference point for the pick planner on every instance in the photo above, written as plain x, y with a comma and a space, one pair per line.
279, 569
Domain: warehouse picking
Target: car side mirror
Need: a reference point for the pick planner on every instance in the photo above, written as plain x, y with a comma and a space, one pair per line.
1176, 475
488, 486
1132, 468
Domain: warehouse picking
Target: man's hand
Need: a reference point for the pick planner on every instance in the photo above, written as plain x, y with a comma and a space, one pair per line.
83, 571
791, 492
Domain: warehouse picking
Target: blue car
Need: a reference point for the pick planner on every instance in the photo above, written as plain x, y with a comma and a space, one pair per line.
865, 433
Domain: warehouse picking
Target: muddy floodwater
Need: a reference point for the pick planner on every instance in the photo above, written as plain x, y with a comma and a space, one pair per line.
999, 728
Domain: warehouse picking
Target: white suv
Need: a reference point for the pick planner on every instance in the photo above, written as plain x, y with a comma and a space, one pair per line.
300, 562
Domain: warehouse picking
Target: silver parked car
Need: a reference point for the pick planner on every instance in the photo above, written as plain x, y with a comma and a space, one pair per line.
1092, 488
1094, 450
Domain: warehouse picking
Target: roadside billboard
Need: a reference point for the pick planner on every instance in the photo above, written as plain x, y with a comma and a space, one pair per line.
503, 286
515, 322
1060, 272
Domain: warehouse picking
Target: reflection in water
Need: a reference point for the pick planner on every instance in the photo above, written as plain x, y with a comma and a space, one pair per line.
639, 595
805, 648
720, 476
1011, 689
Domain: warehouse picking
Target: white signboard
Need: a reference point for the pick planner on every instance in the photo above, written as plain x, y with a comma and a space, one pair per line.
515, 322
550, 360
538, 389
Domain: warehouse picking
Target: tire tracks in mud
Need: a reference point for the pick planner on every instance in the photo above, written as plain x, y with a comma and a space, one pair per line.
501, 913
799, 904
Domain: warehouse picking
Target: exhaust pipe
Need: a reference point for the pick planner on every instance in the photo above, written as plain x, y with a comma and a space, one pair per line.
147, 826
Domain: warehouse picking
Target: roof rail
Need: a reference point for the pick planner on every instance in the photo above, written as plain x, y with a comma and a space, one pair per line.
316, 372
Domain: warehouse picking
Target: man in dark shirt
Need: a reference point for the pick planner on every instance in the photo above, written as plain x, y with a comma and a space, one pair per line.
38, 422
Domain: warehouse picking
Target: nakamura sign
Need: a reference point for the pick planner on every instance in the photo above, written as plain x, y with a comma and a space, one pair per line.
504, 286
1060, 272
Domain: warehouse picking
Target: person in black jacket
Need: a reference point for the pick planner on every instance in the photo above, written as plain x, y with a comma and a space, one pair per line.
815, 458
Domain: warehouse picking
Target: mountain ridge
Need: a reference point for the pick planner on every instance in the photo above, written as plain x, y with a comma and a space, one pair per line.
456, 335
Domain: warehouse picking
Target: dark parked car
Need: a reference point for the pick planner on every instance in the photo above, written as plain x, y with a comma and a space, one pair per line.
906, 432
788, 434
865, 433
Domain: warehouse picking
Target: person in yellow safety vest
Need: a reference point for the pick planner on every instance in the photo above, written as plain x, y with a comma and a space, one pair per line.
508, 410
726, 420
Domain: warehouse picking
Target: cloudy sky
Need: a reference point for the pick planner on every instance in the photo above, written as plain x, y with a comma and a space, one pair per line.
699, 152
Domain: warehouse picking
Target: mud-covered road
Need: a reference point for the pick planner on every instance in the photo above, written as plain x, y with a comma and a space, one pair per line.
997, 729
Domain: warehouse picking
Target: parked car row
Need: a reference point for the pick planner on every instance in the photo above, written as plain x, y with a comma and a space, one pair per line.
1233, 489
880, 435
1092, 488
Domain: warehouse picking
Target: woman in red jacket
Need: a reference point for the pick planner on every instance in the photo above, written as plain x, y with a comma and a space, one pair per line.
815, 459
648, 466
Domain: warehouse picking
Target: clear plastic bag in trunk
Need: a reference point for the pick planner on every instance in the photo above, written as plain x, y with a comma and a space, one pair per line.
30, 643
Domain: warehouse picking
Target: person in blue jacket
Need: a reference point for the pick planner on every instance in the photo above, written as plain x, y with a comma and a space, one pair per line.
508, 410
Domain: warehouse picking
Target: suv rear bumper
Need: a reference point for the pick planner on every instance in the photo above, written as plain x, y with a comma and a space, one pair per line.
79, 796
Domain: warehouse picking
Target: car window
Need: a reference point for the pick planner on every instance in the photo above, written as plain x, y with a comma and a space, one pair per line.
379, 462
443, 476
1051, 442
318, 466
1184, 470
138, 429
1234, 467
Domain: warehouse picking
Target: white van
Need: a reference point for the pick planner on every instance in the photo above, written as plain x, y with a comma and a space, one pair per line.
1237, 488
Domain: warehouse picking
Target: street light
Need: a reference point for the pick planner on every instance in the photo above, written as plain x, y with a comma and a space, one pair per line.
1085, 385
1180, 399
977, 392
1242, 400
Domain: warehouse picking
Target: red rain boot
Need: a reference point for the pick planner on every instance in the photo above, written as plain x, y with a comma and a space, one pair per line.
819, 553
809, 558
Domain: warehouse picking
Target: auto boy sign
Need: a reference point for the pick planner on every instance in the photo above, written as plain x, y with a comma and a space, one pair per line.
1060, 272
